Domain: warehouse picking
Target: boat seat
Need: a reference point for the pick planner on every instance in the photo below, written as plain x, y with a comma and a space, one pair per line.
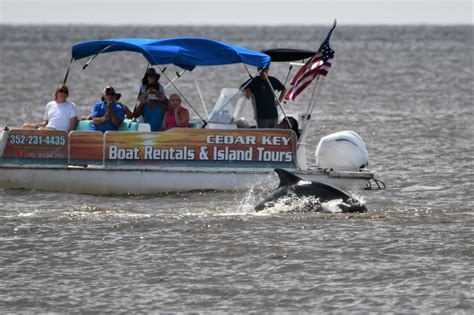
128, 125
195, 125
143, 127
84, 125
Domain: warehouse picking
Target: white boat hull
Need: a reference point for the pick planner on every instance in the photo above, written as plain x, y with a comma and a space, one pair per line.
120, 181
176, 160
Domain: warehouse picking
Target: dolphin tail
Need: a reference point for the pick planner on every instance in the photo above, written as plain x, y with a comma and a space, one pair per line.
286, 178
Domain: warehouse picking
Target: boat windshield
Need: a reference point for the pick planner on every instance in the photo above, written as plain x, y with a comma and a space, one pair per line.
232, 107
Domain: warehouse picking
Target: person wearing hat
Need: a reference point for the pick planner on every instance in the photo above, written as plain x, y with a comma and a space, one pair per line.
150, 77
265, 102
127, 111
152, 106
108, 114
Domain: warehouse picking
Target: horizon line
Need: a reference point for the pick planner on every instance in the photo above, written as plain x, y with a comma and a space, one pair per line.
244, 25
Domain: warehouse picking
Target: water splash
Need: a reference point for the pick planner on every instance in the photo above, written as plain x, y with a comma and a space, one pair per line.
295, 204
247, 204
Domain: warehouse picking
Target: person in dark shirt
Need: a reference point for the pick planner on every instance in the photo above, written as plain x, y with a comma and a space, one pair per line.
266, 106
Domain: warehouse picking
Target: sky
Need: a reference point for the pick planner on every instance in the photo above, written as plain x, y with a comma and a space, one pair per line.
232, 12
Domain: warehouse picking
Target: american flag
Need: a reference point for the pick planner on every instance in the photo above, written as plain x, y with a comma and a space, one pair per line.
319, 64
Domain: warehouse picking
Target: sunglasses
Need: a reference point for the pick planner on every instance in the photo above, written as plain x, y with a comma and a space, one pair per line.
110, 93
64, 91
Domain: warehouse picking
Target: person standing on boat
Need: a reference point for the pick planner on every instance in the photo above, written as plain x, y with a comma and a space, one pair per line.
176, 115
59, 114
107, 114
266, 106
152, 106
151, 77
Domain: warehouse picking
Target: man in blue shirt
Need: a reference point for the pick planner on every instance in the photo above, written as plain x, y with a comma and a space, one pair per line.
265, 102
107, 114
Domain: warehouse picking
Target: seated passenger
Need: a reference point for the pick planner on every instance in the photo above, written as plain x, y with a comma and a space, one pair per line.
176, 115
152, 106
294, 125
127, 111
59, 114
107, 114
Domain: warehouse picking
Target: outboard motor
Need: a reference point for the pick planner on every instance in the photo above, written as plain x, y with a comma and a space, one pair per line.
342, 151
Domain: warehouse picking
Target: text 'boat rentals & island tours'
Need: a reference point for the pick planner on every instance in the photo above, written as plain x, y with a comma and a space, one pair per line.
221, 152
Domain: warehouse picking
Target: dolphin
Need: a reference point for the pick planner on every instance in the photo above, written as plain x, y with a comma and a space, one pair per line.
292, 185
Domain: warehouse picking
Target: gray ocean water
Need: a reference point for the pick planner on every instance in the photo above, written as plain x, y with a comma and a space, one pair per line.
408, 91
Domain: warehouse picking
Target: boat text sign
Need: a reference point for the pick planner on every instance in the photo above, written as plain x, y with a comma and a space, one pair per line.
36, 146
86, 147
206, 147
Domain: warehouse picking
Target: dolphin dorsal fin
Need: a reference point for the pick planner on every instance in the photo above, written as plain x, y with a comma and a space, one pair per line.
286, 178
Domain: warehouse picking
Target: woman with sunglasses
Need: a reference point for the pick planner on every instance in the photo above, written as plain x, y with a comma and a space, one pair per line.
107, 114
150, 77
59, 114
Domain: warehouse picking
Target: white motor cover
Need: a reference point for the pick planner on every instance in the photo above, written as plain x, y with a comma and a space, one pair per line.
342, 151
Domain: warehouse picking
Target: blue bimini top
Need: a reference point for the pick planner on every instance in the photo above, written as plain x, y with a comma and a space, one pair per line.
183, 52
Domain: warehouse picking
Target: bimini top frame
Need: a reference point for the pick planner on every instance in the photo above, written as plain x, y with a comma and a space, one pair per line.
185, 52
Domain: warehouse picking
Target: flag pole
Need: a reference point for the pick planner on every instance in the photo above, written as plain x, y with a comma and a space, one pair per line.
316, 91
288, 74
301, 145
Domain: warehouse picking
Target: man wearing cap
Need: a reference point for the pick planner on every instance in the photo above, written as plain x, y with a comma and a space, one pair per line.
107, 114
265, 102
